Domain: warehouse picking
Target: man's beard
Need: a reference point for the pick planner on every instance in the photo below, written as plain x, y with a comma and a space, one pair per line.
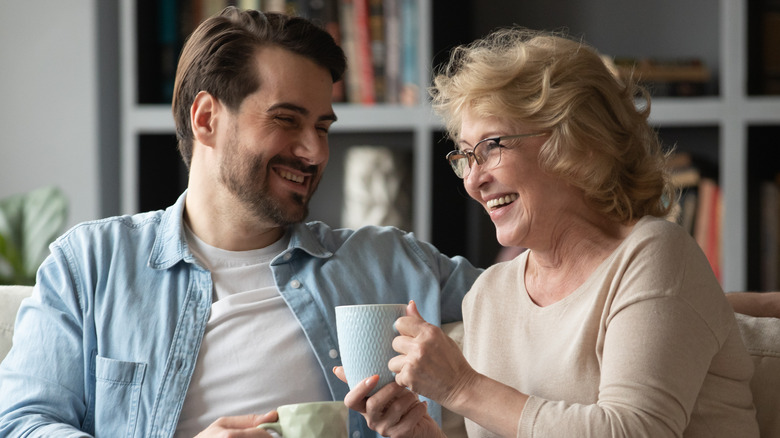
245, 176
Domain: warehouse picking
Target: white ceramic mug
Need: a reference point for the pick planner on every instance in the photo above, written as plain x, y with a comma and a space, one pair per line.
365, 334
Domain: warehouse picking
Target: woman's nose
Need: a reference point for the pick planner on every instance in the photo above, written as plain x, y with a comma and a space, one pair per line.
474, 177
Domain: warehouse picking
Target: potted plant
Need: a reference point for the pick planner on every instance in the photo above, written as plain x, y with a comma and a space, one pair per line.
29, 222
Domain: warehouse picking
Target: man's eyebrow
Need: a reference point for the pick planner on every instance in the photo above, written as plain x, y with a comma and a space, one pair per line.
300, 110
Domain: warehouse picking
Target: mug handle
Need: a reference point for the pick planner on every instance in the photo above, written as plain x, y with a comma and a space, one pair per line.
276, 427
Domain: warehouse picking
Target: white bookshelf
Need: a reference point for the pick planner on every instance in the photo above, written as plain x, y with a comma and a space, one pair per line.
416, 122
731, 112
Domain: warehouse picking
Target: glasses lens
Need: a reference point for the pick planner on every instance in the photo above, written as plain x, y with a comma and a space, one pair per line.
459, 163
489, 153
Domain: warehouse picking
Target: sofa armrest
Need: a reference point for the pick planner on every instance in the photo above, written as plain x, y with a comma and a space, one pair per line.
762, 340
10, 299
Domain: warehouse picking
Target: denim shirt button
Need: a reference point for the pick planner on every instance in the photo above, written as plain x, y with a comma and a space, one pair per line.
295, 284
287, 256
333, 353
355, 434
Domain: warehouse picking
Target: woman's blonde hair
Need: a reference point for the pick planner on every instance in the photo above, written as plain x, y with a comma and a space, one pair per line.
600, 141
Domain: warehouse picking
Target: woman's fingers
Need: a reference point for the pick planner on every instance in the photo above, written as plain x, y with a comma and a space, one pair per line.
356, 398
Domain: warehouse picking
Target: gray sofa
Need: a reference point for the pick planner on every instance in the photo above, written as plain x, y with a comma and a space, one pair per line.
761, 336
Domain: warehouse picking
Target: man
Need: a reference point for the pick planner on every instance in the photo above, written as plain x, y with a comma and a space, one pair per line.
221, 308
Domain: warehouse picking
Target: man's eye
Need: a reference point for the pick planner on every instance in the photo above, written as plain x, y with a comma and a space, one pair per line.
286, 119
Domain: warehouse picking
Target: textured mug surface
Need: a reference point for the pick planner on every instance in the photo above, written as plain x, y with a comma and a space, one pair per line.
365, 334
326, 419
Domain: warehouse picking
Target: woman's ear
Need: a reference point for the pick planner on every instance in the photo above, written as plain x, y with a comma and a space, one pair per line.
203, 116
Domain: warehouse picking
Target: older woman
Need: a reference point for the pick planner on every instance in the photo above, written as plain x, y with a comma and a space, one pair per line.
612, 323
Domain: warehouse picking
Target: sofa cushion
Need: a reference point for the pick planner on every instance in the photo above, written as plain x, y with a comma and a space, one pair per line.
10, 299
762, 339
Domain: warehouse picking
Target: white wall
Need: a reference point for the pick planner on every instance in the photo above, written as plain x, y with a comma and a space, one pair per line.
48, 101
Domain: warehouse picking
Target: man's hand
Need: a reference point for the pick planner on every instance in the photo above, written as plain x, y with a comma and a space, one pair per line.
243, 426
761, 304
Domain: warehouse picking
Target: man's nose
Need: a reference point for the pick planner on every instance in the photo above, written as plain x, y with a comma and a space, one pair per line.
312, 147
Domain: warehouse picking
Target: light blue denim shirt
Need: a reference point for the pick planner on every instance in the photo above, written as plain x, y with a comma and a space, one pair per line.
107, 344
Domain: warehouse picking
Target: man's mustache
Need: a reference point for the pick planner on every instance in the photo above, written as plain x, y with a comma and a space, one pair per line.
295, 164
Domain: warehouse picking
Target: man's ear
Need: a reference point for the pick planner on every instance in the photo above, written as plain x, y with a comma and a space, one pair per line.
203, 116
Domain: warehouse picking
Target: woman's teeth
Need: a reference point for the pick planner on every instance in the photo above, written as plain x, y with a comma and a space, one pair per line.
503, 200
289, 176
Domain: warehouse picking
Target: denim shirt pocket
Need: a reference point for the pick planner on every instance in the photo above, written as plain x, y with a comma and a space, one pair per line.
117, 396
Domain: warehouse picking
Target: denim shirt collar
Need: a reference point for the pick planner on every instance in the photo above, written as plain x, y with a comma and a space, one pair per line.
170, 245
303, 237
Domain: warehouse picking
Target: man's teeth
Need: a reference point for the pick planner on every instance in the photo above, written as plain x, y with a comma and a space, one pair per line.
291, 177
503, 200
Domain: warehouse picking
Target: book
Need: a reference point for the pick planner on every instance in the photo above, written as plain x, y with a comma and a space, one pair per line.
771, 51
707, 226
275, 6
169, 44
392, 28
667, 77
363, 60
376, 26
688, 203
769, 243
249, 4
347, 27
685, 177
410, 88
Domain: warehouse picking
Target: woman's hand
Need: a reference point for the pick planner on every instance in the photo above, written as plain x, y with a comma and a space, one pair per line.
393, 411
430, 363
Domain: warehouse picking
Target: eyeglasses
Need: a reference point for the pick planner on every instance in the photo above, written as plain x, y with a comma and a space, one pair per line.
486, 152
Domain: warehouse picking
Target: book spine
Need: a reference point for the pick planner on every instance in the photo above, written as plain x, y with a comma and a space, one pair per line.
410, 93
377, 34
169, 50
770, 235
392, 51
347, 25
707, 227
363, 59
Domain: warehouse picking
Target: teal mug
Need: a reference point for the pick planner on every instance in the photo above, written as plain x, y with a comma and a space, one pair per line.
327, 419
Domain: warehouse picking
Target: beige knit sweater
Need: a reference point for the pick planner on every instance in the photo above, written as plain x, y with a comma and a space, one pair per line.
647, 347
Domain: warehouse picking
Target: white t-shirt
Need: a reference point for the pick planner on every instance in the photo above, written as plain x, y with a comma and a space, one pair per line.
254, 356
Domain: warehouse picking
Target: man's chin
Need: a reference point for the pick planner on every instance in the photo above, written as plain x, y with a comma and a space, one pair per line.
297, 211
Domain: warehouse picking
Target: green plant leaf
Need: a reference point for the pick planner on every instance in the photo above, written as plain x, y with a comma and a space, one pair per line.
11, 265
29, 222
